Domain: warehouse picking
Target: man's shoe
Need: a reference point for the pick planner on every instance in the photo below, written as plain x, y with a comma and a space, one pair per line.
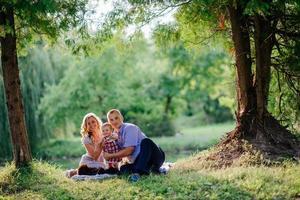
134, 177
163, 170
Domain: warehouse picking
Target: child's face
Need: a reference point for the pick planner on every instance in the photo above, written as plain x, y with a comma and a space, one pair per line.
106, 130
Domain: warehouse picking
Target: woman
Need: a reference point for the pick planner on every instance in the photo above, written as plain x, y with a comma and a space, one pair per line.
143, 154
92, 139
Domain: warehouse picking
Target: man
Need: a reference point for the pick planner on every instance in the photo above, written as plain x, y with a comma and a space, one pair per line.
143, 154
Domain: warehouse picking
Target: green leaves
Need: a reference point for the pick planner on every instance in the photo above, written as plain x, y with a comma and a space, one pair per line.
257, 6
47, 18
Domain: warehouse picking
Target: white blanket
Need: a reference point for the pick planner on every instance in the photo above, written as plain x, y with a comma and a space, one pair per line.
164, 169
93, 177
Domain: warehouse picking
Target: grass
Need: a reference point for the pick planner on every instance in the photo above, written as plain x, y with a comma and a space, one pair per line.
67, 153
187, 180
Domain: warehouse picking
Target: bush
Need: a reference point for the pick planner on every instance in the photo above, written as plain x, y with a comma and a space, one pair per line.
152, 125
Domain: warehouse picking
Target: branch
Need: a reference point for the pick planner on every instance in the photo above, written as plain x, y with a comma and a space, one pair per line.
288, 34
205, 38
162, 12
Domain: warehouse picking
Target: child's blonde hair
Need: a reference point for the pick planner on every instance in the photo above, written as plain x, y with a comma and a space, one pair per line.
84, 130
107, 124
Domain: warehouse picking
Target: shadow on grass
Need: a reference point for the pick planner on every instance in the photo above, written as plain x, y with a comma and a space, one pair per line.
30, 182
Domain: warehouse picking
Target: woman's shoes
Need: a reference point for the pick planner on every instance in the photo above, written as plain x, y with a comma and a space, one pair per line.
71, 172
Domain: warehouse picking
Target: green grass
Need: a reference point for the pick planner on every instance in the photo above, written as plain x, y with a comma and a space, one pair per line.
67, 153
187, 180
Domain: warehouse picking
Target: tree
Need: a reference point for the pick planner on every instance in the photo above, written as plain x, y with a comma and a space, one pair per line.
21, 149
29, 18
254, 122
263, 32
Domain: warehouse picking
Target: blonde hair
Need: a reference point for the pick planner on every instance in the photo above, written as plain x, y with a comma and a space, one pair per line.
115, 111
84, 130
107, 124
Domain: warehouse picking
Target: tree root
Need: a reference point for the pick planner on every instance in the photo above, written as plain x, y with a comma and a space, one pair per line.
253, 142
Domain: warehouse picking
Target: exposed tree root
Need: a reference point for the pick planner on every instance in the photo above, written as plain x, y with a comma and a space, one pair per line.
255, 142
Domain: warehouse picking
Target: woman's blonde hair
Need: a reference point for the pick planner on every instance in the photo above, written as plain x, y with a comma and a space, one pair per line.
114, 111
84, 130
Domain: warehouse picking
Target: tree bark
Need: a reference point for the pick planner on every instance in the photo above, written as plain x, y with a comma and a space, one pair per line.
21, 149
241, 40
263, 49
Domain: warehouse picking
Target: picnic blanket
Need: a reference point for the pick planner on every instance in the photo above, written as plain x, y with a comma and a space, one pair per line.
93, 177
164, 169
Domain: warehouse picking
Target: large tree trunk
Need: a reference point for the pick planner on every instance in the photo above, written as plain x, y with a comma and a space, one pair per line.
21, 149
241, 40
263, 48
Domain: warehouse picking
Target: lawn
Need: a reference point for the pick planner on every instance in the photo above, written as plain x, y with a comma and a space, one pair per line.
187, 180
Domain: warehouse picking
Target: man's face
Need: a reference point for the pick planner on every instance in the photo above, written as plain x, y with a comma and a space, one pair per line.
115, 120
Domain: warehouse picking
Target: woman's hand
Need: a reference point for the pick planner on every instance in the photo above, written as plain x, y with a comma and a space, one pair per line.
100, 142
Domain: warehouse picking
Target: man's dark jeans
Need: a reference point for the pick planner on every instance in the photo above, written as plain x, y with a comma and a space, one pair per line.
150, 158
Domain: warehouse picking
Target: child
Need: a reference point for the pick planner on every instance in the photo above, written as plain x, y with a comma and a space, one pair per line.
110, 145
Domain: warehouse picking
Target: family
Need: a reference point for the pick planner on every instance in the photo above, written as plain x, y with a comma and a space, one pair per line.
116, 147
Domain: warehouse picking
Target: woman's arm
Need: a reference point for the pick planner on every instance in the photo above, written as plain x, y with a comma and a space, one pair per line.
120, 154
94, 150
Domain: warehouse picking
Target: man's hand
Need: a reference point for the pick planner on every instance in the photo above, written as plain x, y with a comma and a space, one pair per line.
107, 156
120, 154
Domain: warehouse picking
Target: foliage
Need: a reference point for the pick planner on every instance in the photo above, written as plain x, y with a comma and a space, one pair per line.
41, 66
25, 22
48, 19
280, 96
115, 78
5, 150
203, 23
207, 72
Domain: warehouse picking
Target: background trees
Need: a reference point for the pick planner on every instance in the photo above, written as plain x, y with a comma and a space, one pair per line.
20, 21
185, 70
258, 34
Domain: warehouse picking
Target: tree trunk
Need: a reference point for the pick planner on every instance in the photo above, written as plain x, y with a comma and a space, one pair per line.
21, 149
263, 49
168, 105
241, 40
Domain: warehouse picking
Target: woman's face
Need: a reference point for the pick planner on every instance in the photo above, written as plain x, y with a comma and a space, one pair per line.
91, 124
115, 120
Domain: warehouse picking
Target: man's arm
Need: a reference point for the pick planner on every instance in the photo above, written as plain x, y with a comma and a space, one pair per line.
120, 154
